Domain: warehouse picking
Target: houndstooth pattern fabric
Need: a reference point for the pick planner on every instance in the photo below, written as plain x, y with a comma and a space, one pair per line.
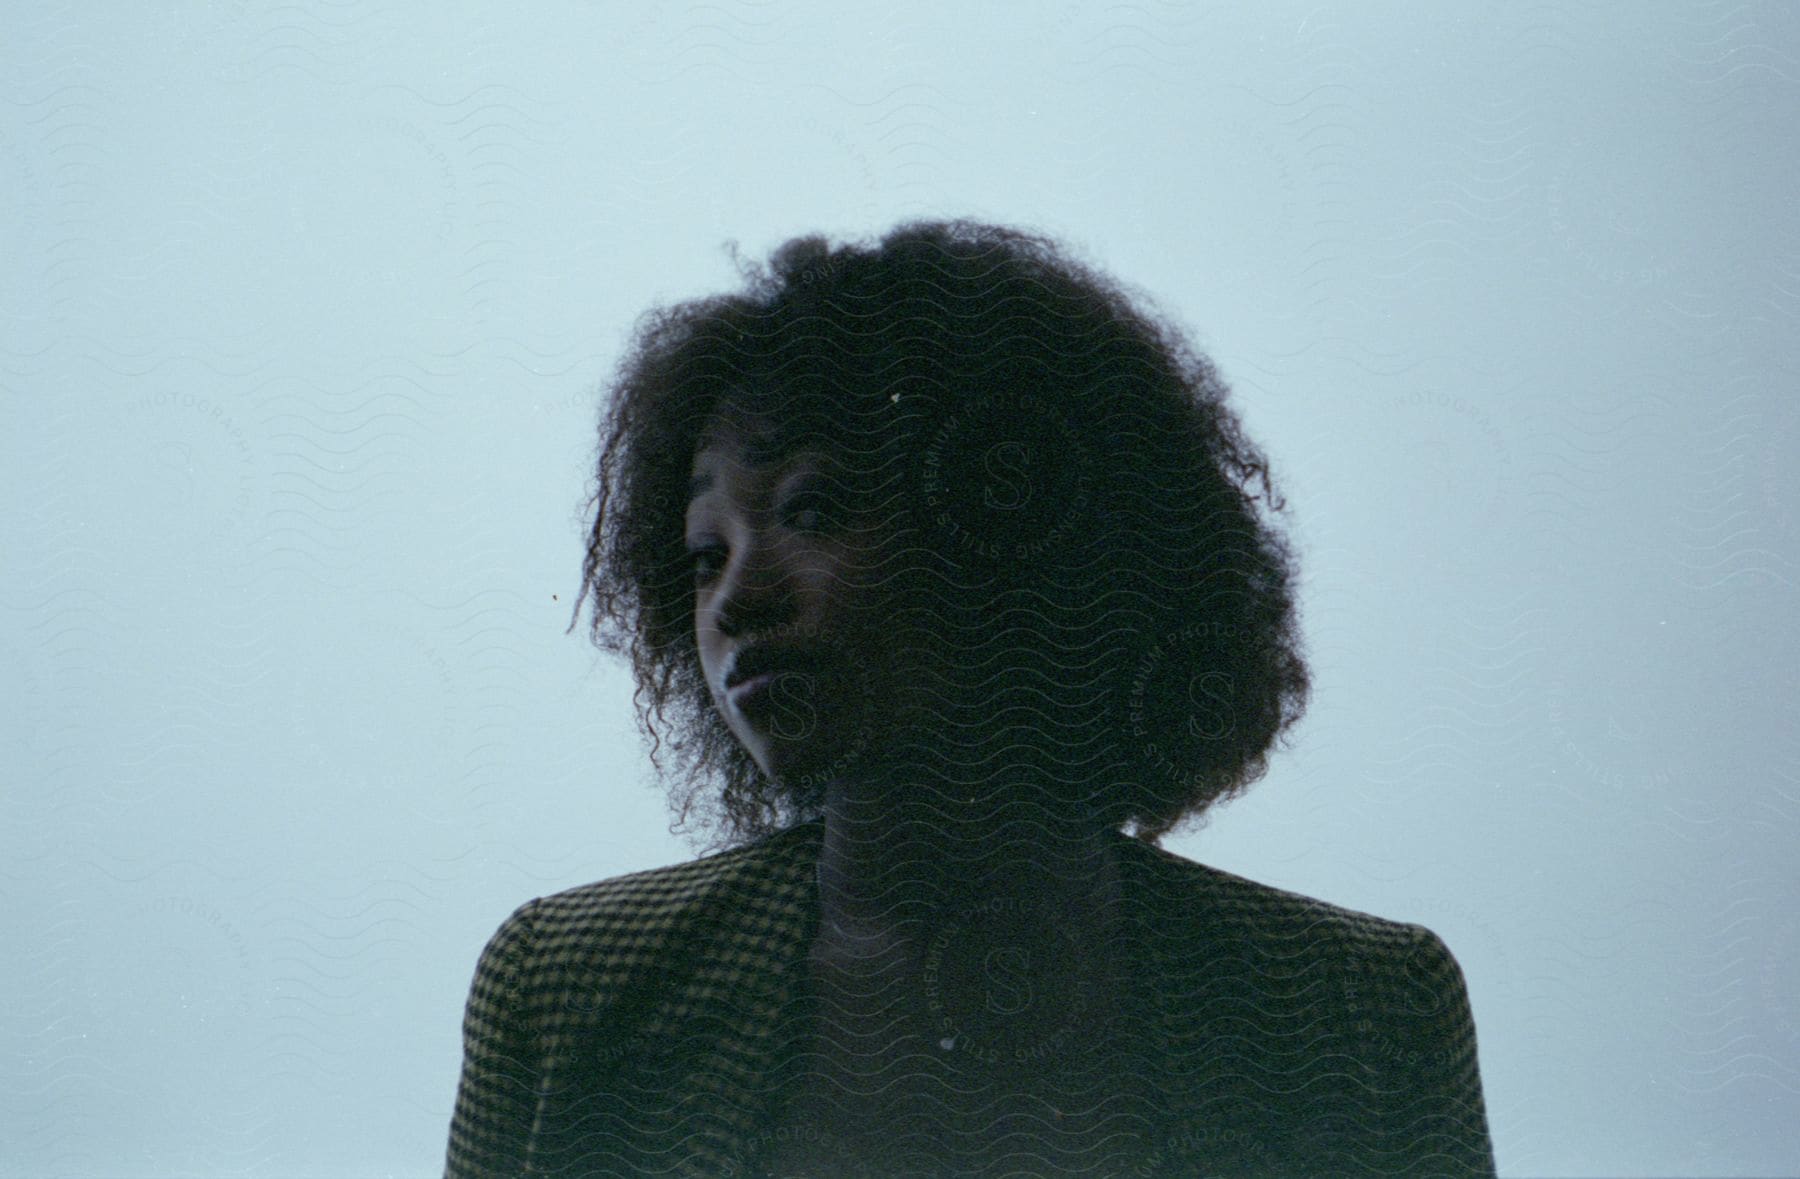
643, 1025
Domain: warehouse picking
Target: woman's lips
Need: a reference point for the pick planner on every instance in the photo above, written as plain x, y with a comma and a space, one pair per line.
770, 662
755, 683
756, 694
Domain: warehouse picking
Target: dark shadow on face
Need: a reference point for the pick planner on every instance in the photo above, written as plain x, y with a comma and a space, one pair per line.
837, 637
800, 603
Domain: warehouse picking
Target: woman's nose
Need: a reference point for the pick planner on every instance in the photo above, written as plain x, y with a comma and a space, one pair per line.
756, 593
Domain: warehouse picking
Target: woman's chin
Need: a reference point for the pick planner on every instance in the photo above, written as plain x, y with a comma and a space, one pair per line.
806, 766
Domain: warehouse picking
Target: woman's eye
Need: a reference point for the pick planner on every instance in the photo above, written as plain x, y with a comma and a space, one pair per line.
702, 561
808, 512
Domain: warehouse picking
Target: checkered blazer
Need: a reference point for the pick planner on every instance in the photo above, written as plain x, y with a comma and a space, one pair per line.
640, 1025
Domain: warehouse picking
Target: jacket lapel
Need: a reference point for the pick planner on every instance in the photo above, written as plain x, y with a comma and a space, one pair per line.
744, 1003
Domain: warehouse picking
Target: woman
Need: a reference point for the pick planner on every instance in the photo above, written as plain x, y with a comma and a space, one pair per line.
941, 562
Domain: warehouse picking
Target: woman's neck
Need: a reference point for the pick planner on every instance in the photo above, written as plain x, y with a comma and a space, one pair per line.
904, 854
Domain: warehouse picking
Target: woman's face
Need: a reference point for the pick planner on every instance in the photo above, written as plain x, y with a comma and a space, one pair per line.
794, 612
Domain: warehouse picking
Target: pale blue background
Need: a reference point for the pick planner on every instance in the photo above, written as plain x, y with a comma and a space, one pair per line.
303, 308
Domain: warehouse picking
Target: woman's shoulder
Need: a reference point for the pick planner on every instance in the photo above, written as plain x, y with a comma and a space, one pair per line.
1345, 1035
1181, 893
647, 910
678, 885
